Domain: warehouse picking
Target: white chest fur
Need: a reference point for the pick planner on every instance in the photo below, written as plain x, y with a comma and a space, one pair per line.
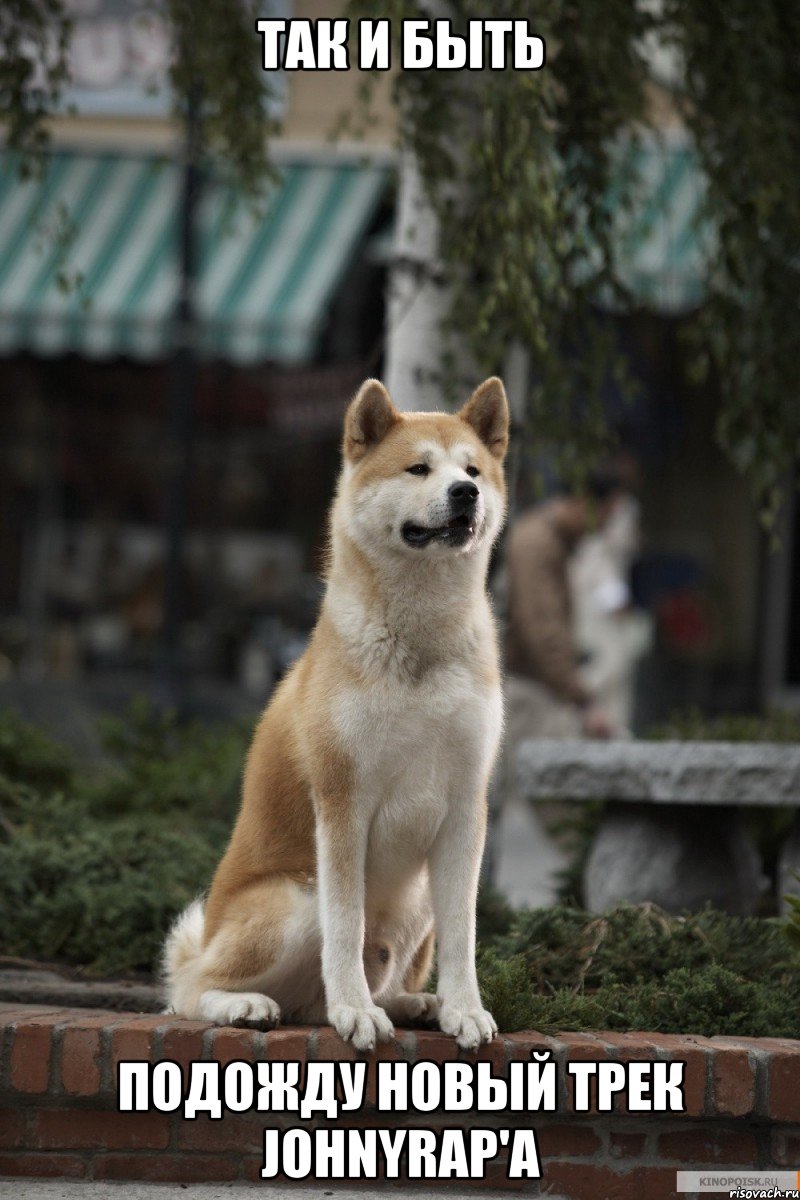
417, 750
422, 723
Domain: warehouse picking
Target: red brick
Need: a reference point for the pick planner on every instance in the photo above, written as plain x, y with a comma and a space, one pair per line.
519, 1045
12, 1128
734, 1080
626, 1145
582, 1181
770, 1044
581, 1047
785, 1148
784, 1084
89, 1018
32, 1052
709, 1146
658, 1183
166, 1168
233, 1045
75, 1018
251, 1170
132, 1041
571, 1141
645, 1047
694, 1052
358, 1119
51, 1166
493, 1052
394, 1051
240, 1133
81, 1061
289, 1045
10, 1013
330, 1046
435, 1047
223, 1150
635, 1043
83, 1016
495, 1180
694, 1079
72, 1129
149, 1022
183, 1043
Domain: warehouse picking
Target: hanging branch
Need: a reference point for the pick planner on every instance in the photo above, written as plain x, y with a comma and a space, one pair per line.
518, 167
219, 43
527, 195
742, 105
34, 38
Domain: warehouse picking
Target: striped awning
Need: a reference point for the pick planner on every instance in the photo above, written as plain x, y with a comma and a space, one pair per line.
89, 257
663, 245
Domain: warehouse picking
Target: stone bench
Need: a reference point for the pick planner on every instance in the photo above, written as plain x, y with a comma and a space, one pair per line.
672, 832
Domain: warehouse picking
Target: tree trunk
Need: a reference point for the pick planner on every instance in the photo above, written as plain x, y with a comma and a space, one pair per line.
417, 301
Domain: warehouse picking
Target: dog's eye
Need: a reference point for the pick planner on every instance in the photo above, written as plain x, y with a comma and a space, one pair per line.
472, 471
419, 469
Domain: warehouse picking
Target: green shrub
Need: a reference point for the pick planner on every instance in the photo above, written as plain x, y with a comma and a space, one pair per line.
95, 863
638, 968
160, 765
96, 860
100, 894
692, 725
710, 1002
30, 756
792, 924
567, 947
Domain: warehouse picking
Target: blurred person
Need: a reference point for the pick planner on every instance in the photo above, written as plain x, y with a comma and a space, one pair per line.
611, 634
547, 695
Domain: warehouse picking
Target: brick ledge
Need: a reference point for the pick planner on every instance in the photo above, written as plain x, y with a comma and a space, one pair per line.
58, 1114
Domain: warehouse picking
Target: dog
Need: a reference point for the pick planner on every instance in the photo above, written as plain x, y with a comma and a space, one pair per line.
363, 812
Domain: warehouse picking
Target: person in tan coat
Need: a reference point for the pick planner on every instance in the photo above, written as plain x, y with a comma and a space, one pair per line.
545, 691
545, 696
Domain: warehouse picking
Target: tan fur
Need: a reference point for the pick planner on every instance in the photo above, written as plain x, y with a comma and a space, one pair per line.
304, 770
417, 974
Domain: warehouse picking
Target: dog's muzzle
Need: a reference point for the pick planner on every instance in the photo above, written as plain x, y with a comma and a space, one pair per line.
462, 499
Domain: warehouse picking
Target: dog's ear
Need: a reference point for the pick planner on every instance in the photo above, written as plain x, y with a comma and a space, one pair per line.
487, 412
369, 418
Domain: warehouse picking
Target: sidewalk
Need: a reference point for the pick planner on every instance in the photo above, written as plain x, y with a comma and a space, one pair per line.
58, 1189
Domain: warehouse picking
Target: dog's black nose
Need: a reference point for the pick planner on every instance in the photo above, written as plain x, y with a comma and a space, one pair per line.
462, 494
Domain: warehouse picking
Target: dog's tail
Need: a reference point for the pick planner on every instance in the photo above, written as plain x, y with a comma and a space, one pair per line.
182, 950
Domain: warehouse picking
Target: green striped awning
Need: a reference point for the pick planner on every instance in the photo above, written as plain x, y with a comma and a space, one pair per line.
88, 257
662, 244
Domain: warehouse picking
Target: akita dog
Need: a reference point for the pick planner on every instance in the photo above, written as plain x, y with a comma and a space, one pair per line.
364, 799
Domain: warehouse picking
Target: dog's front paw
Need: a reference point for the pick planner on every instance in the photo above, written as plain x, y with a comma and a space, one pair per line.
361, 1026
413, 1006
249, 1009
469, 1025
